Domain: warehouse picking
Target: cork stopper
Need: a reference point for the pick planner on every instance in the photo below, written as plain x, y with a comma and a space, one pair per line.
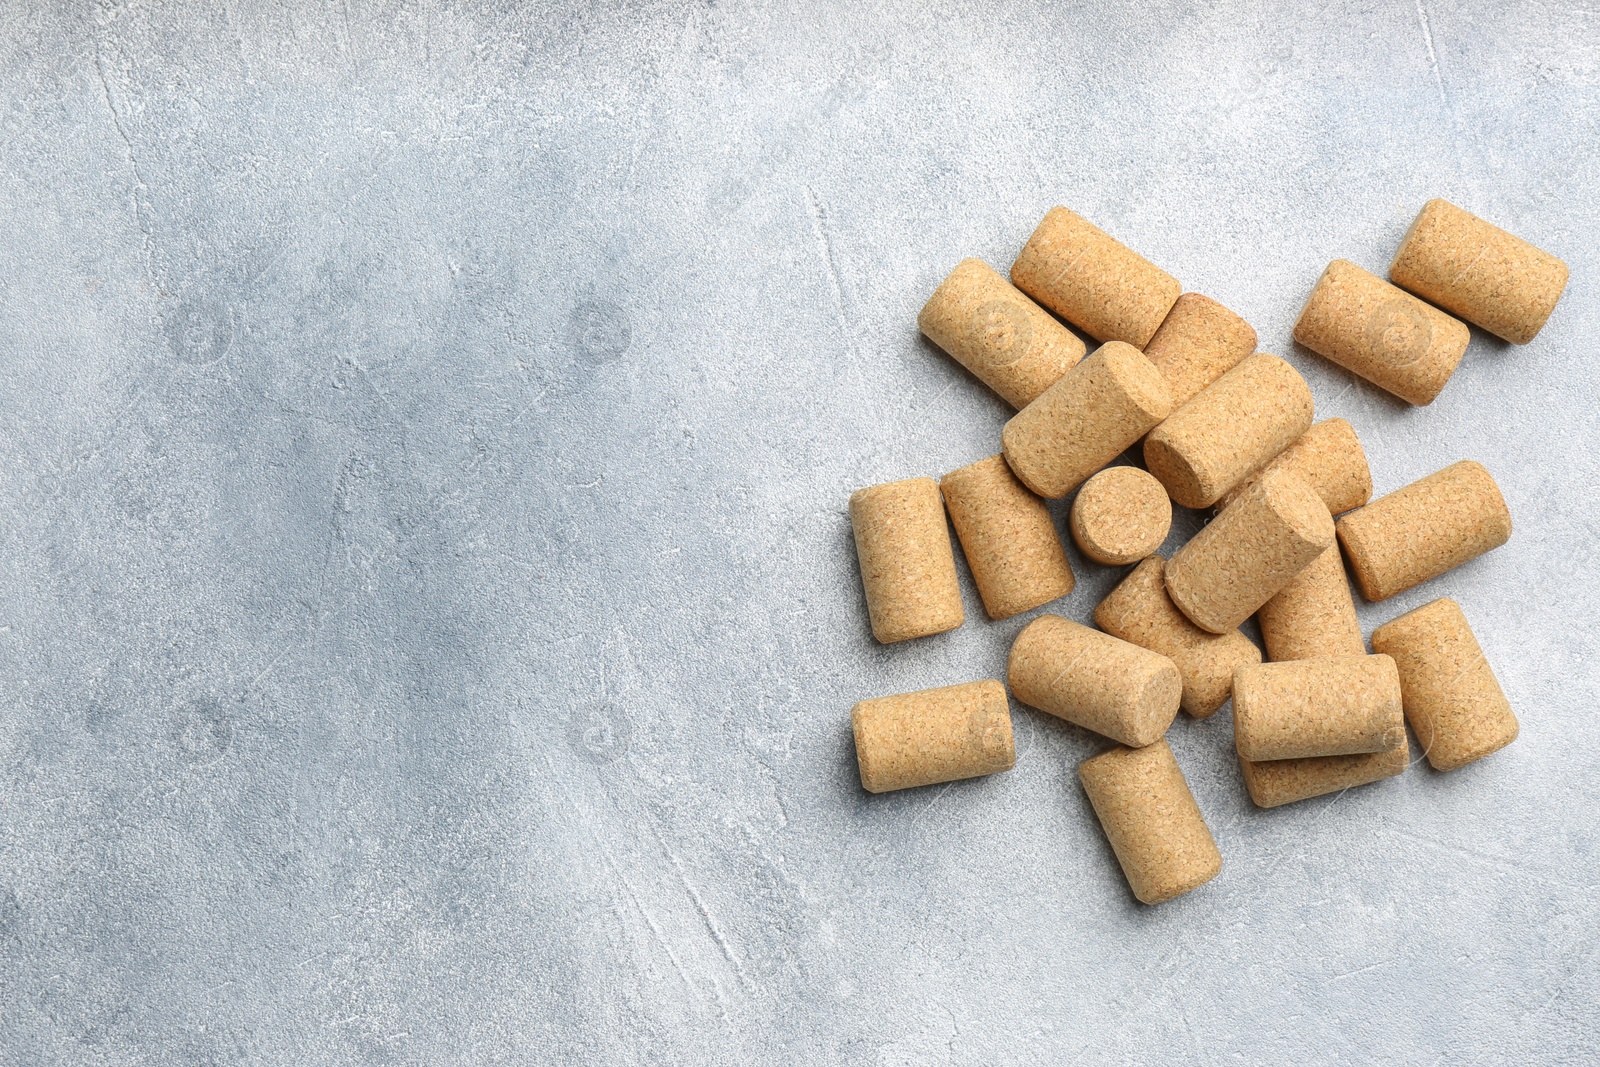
1008, 536
908, 568
1317, 707
1125, 692
932, 736
1284, 781
1314, 615
1121, 515
1330, 458
1197, 343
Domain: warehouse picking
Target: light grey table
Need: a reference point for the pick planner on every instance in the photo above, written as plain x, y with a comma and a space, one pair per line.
429, 619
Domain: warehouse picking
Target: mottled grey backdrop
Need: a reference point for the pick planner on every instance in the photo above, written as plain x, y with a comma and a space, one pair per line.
428, 620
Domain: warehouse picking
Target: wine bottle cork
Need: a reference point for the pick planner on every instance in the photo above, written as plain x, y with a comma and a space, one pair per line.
932, 736
1479, 272
1197, 343
1085, 420
1251, 550
1010, 540
1330, 458
1317, 707
1112, 687
1382, 333
1231, 429
1121, 515
1314, 615
1138, 610
908, 568
991, 328
1149, 815
1425, 529
1284, 781
1451, 697
1094, 281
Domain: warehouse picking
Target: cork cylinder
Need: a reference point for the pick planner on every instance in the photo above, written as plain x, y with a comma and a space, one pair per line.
1093, 280
1451, 697
1149, 815
908, 568
1247, 553
1085, 420
1010, 540
1317, 707
1138, 610
1284, 781
936, 735
1330, 458
1125, 692
1197, 343
1121, 515
1232, 428
1382, 333
1479, 272
1424, 529
1314, 615
1010, 343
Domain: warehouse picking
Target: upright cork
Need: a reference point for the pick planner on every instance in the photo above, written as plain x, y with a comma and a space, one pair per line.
1330, 458
1451, 697
1479, 272
1317, 707
1011, 542
1425, 529
907, 565
1314, 615
1199, 342
1382, 333
1094, 281
1139, 610
1121, 515
1150, 817
936, 735
1284, 781
1125, 692
1085, 420
1251, 550
1232, 428
1012, 344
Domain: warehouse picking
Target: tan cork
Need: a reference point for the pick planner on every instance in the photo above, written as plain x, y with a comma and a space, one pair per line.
1121, 515
1382, 333
1284, 781
1479, 272
907, 565
1197, 343
1231, 429
1150, 817
1317, 707
1451, 697
1094, 281
1330, 457
1425, 529
1012, 344
936, 735
1252, 549
1314, 615
1008, 536
1138, 610
1085, 420
1112, 687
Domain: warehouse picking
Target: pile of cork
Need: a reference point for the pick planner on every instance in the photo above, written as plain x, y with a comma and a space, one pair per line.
1223, 427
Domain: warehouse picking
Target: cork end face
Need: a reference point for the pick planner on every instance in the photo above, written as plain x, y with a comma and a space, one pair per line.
1485, 746
1298, 505
866, 763
1157, 706
1305, 331
1141, 382
1174, 471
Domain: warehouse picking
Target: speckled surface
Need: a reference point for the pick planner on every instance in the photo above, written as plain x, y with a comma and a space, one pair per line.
429, 621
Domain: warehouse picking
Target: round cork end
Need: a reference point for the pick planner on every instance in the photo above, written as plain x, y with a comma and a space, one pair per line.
1298, 506
1121, 515
1174, 471
1158, 705
1139, 379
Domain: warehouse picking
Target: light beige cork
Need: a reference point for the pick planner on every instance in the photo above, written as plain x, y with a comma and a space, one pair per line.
1424, 529
1121, 515
1284, 781
1479, 272
1231, 429
935, 735
908, 568
1197, 343
1329, 456
1112, 687
1252, 549
1011, 542
991, 328
1085, 420
1382, 333
1150, 817
1094, 281
1314, 615
1138, 610
1451, 697
1333, 706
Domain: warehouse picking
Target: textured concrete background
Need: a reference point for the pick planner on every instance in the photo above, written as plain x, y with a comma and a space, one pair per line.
429, 621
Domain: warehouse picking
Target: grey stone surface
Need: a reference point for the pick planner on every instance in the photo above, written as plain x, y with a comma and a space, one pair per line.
429, 620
